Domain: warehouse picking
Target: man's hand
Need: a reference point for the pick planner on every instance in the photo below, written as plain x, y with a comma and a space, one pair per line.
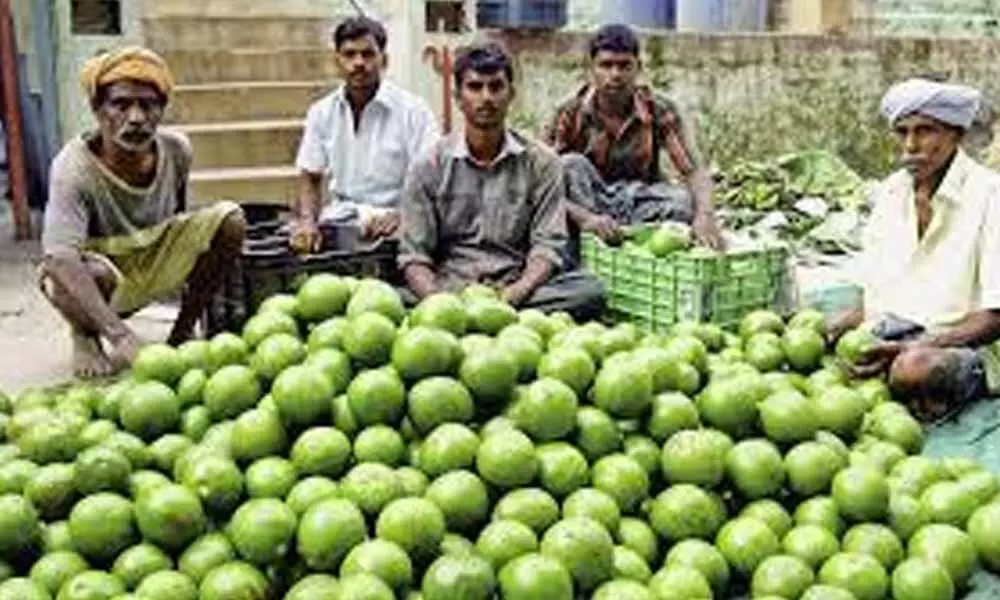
306, 238
514, 294
877, 359
603, 227
381, 225
706, 230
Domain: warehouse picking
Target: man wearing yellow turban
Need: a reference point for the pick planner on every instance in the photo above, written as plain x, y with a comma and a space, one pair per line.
117, 233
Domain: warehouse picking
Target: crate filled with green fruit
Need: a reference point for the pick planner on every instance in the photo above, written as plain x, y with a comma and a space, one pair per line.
658, 277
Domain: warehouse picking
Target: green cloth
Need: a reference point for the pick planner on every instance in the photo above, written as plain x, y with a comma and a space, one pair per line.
153, 263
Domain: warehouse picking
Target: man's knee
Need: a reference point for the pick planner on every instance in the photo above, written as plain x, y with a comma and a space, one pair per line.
53, 272
920, 371
232, 233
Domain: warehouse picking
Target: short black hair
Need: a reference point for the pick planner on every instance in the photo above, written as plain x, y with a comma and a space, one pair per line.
616, 38
486, 57
354, 28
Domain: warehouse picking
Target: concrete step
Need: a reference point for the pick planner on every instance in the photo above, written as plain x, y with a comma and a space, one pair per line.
226, 66
244, 101
259, 185
245, 31
244, 143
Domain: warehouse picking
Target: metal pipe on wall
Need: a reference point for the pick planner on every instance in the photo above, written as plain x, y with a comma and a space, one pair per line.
17, 164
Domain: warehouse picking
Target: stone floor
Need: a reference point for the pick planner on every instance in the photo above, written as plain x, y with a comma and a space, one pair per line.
34, 341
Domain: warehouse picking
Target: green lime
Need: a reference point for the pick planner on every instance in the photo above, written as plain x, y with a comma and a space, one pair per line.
262, 530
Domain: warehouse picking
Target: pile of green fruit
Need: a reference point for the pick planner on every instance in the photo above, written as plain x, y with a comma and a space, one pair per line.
343, 448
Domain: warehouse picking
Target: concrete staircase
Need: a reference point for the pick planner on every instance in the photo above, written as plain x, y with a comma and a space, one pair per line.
245, 80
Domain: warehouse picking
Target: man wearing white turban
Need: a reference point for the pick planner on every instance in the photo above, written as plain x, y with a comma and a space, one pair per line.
931, 262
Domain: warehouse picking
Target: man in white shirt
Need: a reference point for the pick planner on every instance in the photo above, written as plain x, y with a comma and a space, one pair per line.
931, 265
360, 139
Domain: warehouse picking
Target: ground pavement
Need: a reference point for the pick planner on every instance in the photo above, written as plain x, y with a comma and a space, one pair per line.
34, 341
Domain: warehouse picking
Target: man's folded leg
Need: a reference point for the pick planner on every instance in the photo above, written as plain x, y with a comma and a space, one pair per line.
576, 292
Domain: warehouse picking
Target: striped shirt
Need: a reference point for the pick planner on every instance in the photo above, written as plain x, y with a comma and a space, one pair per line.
632, 152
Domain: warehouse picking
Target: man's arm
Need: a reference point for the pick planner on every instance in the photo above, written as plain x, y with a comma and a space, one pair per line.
548, 233
978, 328
705, 224
418, 227
306, 236
311, 162
843, 322
67, 223
678, 140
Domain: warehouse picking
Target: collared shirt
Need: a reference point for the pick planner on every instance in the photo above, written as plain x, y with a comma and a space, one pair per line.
366, 167
482, 223
87, 201
631, 153
954, 269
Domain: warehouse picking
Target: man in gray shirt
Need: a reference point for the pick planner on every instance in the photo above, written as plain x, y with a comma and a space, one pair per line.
487, 205
117, 235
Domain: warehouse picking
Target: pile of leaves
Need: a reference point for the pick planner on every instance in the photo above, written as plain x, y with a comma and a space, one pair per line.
809, 197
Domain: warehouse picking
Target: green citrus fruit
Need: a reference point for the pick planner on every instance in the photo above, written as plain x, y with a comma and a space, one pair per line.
230, 391
746, 542
438, 400
138, 562
859, 574
811, 543
377, 396
309, 491
102, 525
371, 486
328, 334
921, 579
782, 576
234, 580
265, 324
680, 581
168, 585
368, 339
954, 549
462, 498
158, 362
545, 410
442, 311
322, 296
381, 444
504, 540
536, 577
507, 459
584, 547
91, 584
206, 553
262, 530
56, 568
416, 524
277, 353
270, 477
449, 447
101, 469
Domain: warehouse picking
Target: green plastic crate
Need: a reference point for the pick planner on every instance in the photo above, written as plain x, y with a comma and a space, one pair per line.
656, 293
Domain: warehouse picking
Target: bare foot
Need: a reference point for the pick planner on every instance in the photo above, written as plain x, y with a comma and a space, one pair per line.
89, 360
123, 350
